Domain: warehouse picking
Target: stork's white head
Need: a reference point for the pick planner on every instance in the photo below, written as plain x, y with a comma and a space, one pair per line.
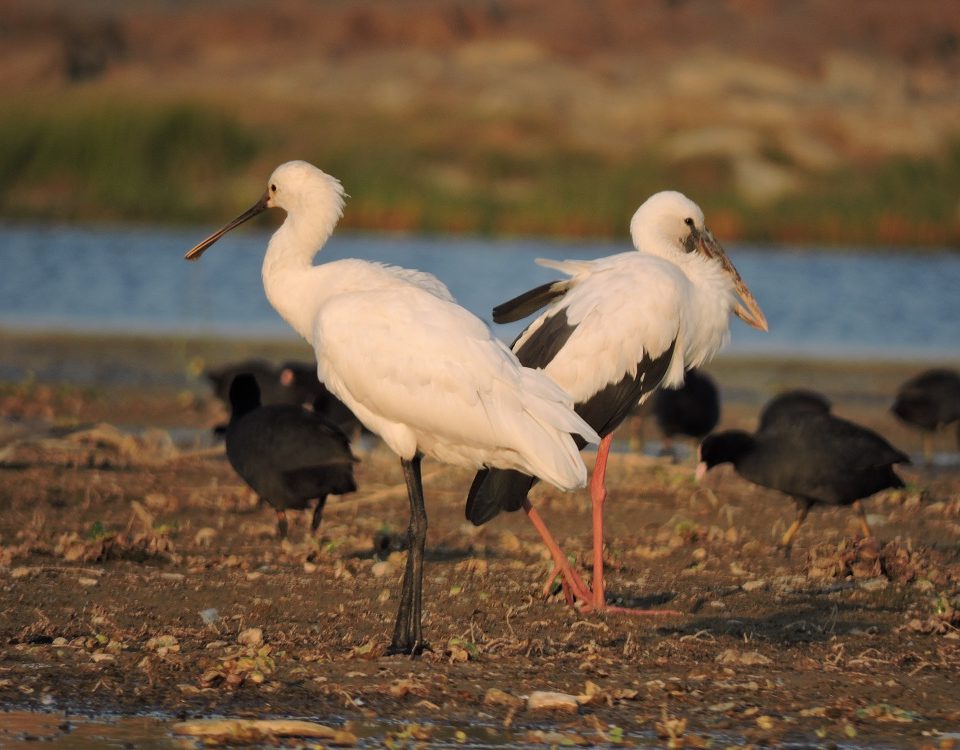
666, 222
310, 196
672, 226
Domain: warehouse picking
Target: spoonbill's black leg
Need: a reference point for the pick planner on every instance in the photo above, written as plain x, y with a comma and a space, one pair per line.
407, 634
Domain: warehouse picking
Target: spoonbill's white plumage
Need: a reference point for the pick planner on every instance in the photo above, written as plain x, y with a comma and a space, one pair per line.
416, 368
614, 331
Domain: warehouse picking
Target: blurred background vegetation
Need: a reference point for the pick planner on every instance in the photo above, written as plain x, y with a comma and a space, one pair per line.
787, 120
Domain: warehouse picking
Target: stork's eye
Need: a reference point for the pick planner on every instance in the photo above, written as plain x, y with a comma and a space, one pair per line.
689, 222
273, 188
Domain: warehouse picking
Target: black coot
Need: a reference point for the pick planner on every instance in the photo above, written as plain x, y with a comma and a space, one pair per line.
692, 410
817, 458
272, 390
287, 455
930, 400
791, 405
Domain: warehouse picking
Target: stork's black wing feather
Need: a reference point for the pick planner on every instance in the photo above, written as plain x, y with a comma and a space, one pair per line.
494, 490
529, 302
540, 348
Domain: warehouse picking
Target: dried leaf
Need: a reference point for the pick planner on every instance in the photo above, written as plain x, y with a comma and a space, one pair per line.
745, 658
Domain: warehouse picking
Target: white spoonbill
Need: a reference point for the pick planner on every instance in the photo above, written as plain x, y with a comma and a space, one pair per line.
612, 333
416, 368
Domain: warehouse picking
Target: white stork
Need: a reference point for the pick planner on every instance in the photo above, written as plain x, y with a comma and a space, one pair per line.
614, 331
416, 368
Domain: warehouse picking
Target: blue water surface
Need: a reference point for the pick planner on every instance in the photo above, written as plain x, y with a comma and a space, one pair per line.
887, 304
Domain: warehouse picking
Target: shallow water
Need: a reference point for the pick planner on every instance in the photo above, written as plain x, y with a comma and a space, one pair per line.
23, 730
886, 304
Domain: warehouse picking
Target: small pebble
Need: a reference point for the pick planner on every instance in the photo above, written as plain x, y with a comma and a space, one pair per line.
509, 541
205, 536
381, 569
250, 637
498, 697
547, 700
746, 658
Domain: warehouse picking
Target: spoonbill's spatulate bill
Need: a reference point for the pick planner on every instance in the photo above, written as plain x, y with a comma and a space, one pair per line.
613, 332
288, 455
813, 457
416, 368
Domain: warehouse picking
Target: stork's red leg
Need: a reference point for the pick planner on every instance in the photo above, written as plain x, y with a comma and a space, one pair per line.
576, 591
598, 496
573, 584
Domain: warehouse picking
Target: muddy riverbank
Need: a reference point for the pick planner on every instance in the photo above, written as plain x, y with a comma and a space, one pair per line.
137, 575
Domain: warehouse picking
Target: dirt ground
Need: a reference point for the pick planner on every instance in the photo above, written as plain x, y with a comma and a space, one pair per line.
137, 575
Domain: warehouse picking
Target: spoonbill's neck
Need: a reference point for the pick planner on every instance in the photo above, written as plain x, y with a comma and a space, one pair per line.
293, 285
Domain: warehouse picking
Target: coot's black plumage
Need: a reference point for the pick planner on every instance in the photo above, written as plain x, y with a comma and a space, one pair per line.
294, 383
301, 378
692, 410
272, 391
791, 405
817, 458
287, 455
930, 400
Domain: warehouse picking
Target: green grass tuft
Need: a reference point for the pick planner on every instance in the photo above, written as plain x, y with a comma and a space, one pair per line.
118, 162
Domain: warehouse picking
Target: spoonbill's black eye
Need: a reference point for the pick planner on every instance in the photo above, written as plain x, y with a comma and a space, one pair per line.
689, 222
273, 188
